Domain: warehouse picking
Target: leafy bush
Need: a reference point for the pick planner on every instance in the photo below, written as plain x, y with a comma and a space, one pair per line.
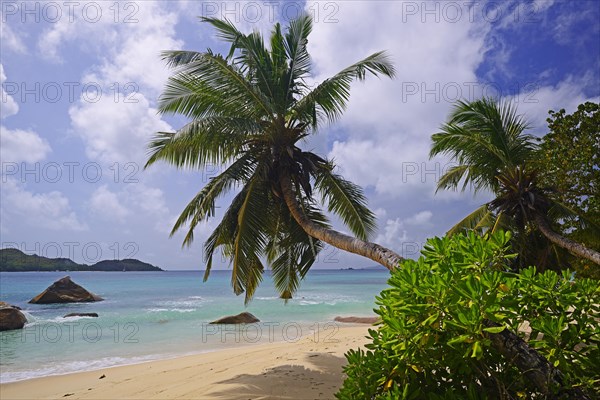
434, 341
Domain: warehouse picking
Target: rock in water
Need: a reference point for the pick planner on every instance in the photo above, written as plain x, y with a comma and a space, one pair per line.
4, 304
82, 314
243, 318
11, 317
64, 290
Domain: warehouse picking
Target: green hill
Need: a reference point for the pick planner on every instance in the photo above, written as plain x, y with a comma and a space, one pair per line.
127, 264
14, 260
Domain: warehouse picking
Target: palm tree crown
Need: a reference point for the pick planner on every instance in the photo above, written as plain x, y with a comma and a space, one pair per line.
485, 138
249, 112
488, 141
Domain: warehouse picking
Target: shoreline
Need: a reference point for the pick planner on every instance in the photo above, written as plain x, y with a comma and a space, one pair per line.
310, 367
231, 337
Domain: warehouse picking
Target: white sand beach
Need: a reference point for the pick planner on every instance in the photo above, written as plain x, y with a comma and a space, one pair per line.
310, 368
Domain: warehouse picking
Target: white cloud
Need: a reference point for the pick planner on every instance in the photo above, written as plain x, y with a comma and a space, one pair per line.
385, 143
536, 103
18, 145
22, 146
116, 131
49, 210
393, 235
10, 40
130, 51
542, 5
498, 55
50, 42
380, 212
134, 204
150, 201
117, 128
394, 166
421, 218
107, 204
566, 29
136, 55
396, 236
246, 15
383, 140
8, 105
79, 27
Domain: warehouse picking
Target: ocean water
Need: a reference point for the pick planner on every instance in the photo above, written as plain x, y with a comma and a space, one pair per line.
157, 315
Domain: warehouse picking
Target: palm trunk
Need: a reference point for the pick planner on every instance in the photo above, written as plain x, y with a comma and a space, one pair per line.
375, 252
535, 367
512, 347
573, 247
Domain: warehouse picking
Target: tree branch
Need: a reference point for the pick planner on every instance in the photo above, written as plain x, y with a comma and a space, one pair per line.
375, 252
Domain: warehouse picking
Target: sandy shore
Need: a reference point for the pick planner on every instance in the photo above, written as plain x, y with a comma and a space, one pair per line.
310, 368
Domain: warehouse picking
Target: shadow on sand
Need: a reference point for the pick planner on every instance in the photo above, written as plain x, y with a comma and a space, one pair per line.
289, 381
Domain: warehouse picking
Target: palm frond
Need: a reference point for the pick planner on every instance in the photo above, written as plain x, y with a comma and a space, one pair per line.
279, 65
250, 238
291, 251
224, 234
296, 256
196, 99
455, 174
502, 221
226, 31
292, 265
253, 59
347, 200
209, 85
476, 156
296, 40
177, 58
561, 211
202, 206
485, 137
212, 141
252, 274
329, 99
242, 238
480, 217
256, 60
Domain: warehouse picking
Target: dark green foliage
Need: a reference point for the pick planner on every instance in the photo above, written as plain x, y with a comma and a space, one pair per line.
433, 343
14, 260
569, 158
569, 162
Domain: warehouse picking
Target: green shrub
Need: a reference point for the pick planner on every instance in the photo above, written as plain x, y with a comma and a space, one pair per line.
432, 342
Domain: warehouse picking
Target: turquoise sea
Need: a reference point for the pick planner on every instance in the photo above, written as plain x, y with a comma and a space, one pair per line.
156, 315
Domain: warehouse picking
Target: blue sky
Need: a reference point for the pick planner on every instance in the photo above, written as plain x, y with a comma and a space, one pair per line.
80, 84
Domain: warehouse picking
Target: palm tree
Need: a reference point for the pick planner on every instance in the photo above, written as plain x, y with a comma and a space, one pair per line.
249, 112
493, 153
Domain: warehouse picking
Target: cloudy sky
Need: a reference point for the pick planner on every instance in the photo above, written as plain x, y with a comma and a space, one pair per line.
80, 83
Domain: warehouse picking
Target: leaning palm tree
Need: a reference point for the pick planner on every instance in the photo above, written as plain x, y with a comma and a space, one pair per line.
487, 140
250, 112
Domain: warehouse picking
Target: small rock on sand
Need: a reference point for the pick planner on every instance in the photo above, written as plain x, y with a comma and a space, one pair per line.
357, 320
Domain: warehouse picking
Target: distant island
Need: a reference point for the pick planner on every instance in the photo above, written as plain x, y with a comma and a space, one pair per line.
14, 260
